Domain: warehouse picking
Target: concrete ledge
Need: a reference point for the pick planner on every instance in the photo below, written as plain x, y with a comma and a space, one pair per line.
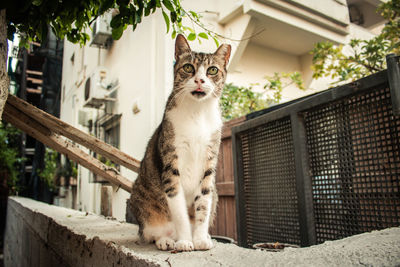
38, 234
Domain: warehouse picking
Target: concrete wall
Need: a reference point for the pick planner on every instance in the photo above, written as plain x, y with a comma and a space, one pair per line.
38, 234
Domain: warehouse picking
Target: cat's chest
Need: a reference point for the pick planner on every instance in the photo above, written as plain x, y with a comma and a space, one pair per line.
192, 138
196, 128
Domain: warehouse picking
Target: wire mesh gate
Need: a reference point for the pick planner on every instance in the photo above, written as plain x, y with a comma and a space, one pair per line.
323, 168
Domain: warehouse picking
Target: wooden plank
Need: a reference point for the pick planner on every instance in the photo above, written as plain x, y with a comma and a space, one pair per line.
226, 129
230, 217
221, 217
44, 135
226, 189
228, 160
34, 91
220, 166
226, 217
213, 227
106, 200
35, 43
74, 134
35, 80
34, 72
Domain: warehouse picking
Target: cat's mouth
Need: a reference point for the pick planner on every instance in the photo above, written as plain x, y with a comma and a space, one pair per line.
198, 93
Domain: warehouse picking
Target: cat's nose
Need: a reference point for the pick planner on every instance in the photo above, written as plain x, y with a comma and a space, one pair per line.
198, 81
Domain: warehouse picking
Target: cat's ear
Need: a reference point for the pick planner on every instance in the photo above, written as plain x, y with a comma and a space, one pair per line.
224, 52
181, 46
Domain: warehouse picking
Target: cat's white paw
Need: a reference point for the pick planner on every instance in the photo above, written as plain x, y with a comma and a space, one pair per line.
184, 245
165, 243
203, 243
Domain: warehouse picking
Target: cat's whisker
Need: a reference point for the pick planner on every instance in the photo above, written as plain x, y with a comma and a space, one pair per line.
174, 98
177, 97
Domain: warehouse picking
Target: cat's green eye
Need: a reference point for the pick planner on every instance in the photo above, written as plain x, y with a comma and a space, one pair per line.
188, 68
212, 70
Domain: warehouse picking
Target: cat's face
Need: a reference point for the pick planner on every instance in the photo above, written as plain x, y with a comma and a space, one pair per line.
199, 75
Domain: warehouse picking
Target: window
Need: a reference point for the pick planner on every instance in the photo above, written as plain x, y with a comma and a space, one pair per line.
111, 135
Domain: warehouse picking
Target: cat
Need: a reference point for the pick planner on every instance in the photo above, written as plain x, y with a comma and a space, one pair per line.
174, 197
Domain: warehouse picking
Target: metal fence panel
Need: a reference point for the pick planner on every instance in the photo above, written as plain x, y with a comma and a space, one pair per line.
269, 183
322, 168
354, 147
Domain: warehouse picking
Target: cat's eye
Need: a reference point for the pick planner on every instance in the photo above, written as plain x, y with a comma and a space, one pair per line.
212, 70
188, 68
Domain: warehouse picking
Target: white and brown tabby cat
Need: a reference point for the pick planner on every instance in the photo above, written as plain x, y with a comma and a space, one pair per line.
174, 197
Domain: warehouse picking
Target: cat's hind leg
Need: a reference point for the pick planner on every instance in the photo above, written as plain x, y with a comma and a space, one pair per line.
163, 234
154, 220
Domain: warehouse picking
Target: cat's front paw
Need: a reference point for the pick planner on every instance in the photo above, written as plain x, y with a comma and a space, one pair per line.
184, 245
203, 243
165, 243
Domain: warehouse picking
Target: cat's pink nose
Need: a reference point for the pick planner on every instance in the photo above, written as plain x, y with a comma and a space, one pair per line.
198, 81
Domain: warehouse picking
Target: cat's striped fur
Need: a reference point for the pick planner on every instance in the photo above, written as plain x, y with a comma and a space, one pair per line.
174, 197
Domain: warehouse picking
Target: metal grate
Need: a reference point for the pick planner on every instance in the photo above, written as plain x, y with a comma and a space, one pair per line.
321, 168
269, 184
354, 147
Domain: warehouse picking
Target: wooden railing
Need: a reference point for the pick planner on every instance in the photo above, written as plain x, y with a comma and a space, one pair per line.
51, 131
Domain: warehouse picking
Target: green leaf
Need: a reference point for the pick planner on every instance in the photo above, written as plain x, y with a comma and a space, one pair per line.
166, 19
173, 35
116, 21
116, 33
140, 3
123, 11
168, 5
138, 17
122, 2
191, 36
194, 14
132, 18
140, 11
189, 29
203, 35
36, 2
147, 11
151, 4
216, 41
173, 17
